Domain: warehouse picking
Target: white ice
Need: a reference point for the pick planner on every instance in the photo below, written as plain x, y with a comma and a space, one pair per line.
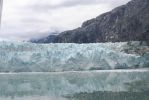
28, 57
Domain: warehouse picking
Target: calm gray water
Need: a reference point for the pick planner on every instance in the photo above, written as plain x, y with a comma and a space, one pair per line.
85, 85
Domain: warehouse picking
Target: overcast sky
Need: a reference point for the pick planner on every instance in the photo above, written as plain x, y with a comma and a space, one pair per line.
25, 19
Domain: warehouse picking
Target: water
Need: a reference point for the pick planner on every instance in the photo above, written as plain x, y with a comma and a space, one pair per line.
76, 85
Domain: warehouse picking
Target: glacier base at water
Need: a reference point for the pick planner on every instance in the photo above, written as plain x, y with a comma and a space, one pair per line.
101, 71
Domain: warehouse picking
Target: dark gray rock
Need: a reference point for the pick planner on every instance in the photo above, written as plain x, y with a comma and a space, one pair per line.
49, 39
128, 22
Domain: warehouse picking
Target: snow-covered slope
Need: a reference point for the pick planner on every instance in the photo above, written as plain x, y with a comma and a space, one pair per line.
28, 57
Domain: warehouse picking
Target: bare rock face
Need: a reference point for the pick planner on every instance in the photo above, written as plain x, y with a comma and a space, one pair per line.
128, 22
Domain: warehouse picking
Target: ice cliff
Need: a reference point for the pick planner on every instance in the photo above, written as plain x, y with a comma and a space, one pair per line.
29, 57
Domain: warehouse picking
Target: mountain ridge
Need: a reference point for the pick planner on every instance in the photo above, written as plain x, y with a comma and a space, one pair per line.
125, 23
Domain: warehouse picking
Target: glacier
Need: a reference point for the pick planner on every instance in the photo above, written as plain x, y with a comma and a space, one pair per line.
109, 71
30, 57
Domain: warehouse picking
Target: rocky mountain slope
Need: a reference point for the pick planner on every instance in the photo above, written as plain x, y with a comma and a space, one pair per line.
125, 23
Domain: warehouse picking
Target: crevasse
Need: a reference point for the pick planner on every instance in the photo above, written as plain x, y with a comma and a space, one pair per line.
28, 57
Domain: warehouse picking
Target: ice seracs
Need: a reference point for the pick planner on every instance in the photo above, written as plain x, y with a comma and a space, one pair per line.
29, 57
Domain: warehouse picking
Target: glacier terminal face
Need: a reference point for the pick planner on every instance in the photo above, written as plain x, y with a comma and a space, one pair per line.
29, 57
74, 71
